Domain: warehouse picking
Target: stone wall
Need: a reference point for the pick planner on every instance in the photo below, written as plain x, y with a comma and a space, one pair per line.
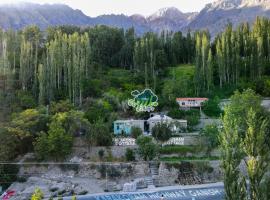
81, 149
117, 152
89, 177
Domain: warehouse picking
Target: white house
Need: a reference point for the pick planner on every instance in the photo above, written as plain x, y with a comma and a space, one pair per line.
177, 124
187, 103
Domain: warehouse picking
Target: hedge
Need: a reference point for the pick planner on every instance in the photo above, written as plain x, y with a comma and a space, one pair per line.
179, 149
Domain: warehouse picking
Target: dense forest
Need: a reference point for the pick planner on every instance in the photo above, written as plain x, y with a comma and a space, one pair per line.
63, 62
235, 58
59, 63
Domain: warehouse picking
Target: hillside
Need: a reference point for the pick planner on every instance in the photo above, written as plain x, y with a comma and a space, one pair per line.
17, 16
215, 16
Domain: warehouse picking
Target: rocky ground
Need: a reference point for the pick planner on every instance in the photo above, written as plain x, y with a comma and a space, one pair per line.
76, 176
55, 182
87, 178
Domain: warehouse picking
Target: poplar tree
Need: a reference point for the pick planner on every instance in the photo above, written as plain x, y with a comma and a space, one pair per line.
257, 153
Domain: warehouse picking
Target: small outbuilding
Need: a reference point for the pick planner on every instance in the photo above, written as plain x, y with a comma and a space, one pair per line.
125, 126
175, 123
187, 103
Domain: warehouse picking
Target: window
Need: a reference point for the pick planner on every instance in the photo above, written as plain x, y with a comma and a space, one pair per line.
117, 127
183, 103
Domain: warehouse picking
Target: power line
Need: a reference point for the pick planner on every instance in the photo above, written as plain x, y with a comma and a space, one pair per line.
67, 163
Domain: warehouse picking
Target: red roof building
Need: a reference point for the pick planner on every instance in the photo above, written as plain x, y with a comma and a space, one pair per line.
187, 103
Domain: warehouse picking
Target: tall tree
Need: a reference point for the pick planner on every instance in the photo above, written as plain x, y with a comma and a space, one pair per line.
257, 153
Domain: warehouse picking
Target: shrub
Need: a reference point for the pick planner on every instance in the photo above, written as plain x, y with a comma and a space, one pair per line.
136, 132
8, 174
37, 195
211, 107
162, 132
41, 146
26, 100
203, 167
98, 111
129, 155
104, 139
176, 113
108, 170
211, 133
57, 144
109, 157
99, 134
8, 145
60, 106
113, 172
30, 121
92, 87
74, 198
101, 154
192, 116
148, 150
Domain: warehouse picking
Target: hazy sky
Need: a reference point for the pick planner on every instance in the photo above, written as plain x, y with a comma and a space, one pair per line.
128, 7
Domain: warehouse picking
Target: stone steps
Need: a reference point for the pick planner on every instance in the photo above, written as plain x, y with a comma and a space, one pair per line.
149, 181
154, 169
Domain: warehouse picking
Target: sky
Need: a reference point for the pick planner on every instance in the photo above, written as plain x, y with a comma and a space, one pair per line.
128, 7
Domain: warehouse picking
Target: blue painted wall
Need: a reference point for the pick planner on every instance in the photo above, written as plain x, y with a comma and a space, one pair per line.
120, 127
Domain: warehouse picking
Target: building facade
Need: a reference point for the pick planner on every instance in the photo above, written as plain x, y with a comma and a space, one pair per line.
176, 125
187, 103
125, 126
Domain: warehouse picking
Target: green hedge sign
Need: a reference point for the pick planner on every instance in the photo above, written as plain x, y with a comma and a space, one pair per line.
145, 101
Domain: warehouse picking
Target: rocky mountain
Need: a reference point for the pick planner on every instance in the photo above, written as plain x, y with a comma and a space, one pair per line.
169, 19
215, 16
121, 21
20, 15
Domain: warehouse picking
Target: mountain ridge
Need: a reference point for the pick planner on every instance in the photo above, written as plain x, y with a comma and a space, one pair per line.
214, 16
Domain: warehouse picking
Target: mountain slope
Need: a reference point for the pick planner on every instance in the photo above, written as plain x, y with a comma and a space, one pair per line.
17, 16
121, 21
217, 15
169, 19
20, 15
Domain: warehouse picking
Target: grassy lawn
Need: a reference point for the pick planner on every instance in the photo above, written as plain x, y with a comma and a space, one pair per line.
179, 159
182, 70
